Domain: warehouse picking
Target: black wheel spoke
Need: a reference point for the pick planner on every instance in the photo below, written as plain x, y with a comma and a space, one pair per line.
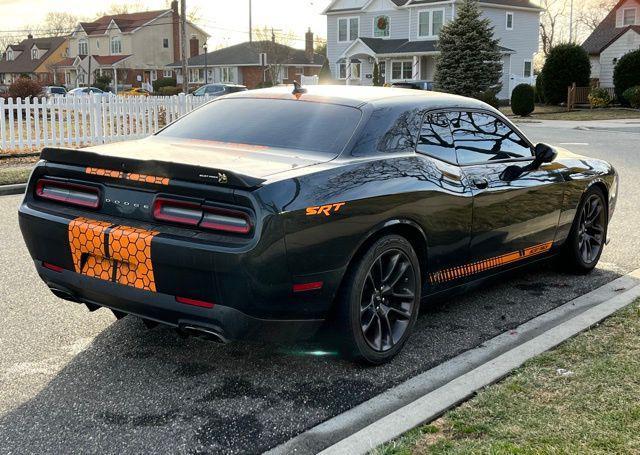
393, 263
388, 330
404, 314
591, 229
406, 294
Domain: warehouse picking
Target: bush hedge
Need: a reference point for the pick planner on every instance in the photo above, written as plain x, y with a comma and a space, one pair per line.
169, 91
566, 64
523, 100
164, 82
632, 96
599, 97
24, 87
626, 74
489, 97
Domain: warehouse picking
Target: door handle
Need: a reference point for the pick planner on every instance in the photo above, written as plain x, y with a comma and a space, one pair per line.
481, 183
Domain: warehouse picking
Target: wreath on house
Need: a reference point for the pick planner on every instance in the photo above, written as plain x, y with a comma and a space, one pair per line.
383, 23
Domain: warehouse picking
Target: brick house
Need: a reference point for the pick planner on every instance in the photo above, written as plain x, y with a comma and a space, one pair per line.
35, 57
243, 63
134, 48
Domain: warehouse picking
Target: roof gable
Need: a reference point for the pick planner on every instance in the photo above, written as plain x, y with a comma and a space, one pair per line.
606, 32
23, 63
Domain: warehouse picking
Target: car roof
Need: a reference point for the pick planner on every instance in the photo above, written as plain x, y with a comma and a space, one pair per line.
356, 96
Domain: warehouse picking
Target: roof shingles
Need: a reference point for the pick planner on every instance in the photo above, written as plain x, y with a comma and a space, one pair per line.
605, 34
23, 63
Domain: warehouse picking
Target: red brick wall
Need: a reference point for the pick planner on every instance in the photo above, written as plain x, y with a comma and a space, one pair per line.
252, 75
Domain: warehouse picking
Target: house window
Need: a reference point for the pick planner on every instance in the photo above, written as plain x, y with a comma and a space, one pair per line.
343, 70
628, 17
381, 26
34, 54
116, 45
527, 69
348, 29
227, 74
430, 23
83, 47
9, 55
165, 43
401, 70
509, 22
154, 75
168, 73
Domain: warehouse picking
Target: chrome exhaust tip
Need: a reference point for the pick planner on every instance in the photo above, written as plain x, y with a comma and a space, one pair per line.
202, 332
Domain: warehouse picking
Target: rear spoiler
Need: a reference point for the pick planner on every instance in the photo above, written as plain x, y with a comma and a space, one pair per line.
164, 169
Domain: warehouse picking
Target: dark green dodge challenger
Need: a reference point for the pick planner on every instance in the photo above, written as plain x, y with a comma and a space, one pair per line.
271, 214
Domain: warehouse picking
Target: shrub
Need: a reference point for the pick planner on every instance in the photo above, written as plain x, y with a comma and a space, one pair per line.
265, 84
523, 100
540, 90
489, 97
599, 97
632, 96
164, 82
25, 88
169, 91
103, 82
566, 64
626, 74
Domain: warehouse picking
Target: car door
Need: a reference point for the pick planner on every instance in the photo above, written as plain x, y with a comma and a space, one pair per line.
516, 207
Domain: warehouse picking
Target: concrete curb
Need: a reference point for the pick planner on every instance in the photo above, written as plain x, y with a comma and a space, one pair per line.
428, 395
7, 190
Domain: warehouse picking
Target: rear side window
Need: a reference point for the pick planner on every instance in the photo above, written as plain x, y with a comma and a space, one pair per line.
436, 139
288, 124
481, 138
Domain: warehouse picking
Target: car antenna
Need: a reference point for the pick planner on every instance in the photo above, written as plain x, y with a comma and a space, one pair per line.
298, 89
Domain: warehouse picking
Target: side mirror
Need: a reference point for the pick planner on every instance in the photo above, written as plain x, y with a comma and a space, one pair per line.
545, 153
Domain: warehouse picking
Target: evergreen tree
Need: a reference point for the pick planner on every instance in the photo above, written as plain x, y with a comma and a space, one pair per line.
469, 63
325, 76
376, 75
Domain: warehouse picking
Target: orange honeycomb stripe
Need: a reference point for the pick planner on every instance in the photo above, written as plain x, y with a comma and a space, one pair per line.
127, 260
443, 276
127, 176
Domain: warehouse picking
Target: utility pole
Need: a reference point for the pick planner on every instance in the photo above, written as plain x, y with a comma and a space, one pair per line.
183, 45
250, 24
571, 23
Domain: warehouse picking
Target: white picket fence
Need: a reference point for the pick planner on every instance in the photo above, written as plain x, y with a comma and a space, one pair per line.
80, 121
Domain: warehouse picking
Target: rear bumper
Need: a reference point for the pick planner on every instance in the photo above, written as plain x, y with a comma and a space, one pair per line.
228, 323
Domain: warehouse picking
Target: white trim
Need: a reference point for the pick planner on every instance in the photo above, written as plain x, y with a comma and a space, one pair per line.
635, 16
401, 61
506, 20
353, 44
373, 29
430, 36
348, 72
348, 19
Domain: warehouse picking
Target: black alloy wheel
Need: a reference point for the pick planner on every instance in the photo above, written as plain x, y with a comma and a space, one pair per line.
388, 300
591, 229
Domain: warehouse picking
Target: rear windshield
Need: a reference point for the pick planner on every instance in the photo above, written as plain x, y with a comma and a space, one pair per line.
290, 124
58, 90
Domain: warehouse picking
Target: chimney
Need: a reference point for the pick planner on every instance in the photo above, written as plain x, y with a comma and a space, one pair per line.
194, 47
175, 17
29, 36
308, 45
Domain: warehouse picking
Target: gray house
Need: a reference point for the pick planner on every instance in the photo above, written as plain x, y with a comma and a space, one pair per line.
401, 35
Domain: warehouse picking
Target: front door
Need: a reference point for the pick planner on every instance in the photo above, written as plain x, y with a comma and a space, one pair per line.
515, 213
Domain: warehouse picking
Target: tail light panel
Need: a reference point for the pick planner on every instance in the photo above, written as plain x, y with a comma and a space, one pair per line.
69, 193
200, 215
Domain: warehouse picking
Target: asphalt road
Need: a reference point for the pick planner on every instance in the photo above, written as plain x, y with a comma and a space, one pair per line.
74, 381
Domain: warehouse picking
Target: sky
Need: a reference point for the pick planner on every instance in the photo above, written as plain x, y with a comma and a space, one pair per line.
227, 21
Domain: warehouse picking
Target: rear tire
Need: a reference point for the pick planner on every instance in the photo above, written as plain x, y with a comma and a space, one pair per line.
378, 304
583, 248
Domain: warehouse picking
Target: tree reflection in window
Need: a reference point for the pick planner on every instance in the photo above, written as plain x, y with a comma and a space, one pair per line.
436, 139
482, 137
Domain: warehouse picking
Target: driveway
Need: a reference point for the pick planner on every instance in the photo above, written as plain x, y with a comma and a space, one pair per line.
76, 381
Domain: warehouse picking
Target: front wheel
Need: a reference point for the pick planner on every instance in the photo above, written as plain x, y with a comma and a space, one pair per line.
586, 241
378, 305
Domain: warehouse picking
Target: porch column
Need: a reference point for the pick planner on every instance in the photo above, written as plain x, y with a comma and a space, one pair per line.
115, 80
348, 79
415, 74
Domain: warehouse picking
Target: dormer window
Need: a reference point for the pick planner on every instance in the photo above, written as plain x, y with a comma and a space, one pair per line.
10, 55
34, 53
83, 47
116, 45
628, 17
381, 27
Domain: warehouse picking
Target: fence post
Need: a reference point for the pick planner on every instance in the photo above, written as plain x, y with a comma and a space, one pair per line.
3, 131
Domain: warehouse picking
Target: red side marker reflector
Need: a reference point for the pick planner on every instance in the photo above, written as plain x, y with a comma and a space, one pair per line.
192, 302
304, 287
55, 268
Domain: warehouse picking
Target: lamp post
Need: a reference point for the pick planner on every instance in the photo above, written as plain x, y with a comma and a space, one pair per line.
205, 46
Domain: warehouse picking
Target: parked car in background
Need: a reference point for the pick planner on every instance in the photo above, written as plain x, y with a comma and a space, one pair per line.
51, 91
415, 85
219, 89
86, 91
136, 91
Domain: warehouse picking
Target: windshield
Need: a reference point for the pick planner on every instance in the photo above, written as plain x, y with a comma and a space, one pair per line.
289, 124
58, 90
200, 91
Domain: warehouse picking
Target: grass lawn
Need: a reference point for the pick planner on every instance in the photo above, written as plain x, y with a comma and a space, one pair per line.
14, 174
583, 397
559, 113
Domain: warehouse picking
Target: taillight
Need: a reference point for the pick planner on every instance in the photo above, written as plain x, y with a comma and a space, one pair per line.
202, 216
68, 193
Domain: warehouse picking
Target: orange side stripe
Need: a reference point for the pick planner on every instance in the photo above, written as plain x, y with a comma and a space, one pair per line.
127, 176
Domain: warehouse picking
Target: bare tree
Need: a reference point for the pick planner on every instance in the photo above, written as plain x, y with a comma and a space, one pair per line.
278, 50
591, 14
58, 24
552, 22
125, 7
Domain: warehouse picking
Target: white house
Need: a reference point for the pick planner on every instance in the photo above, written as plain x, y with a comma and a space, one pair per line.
616, 35
402, 36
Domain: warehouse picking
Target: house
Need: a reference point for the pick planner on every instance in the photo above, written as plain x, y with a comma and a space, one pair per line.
243, 63
616, 35
35, 57
133, 48
402, 37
